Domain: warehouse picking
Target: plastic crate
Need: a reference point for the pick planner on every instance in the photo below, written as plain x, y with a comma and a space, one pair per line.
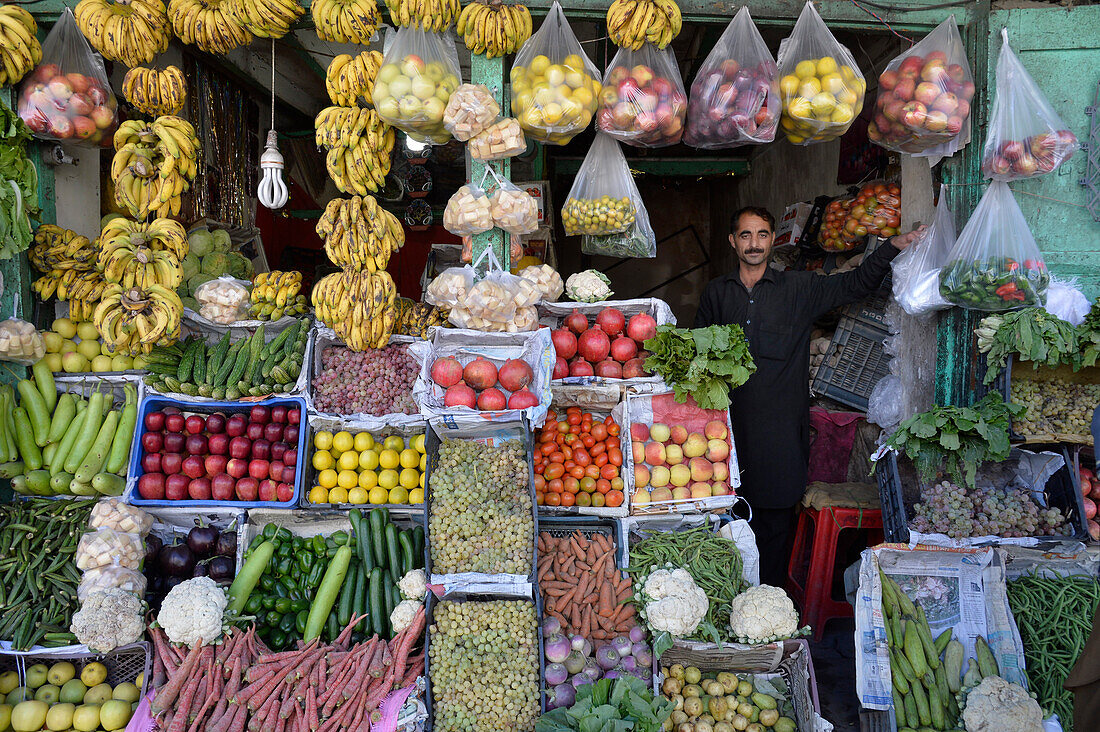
898, 497
123, 663
589, 526
855, 362
1002, 384
153, 403
872, 309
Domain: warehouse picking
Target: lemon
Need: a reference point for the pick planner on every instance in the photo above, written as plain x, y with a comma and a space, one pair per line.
322, 460
789, 84
422, 481
809, 88
395, 443
418, 442
364, 441
806, 69
389, 459
423, 463
358, 496
409, 478
347, 479
826, 65
416, 495
328, 478
388, 479
318, 494
399, 495
348, 460
338, 495
342, 441
368, 479
378, 495
322, 440
409, 458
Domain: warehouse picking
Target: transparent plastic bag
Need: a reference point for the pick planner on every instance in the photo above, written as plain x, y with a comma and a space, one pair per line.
109, 578
514, 210
546, 279
637, 241
643, 102
874, 211
995, 265
502, 139
108, 547
419, 73
603, 198
468, 211
887, 400
820, 84
67, 97
470, 110
449, 288
223, 300
735, 96
1026, 137
555, 86
20, 342
916, 271
113, 513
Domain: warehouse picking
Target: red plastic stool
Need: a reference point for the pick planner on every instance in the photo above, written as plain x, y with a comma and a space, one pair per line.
813, 593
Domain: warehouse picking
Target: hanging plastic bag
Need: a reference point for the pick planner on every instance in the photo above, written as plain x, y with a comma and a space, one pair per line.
502, 139
68, 97
820, 84
468, 211
916, 271
924, 94
470, 110
643, 102
735, 96
1026, 136
555, 86
419, 73
448, 290
513, 209
20, 342
637, 241
603, 199
995, 265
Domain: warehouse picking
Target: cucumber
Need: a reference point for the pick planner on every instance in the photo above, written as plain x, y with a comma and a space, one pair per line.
408, 556
910, 704
925, 635
914, 651
393, 554
347, 593
378, 616
359, 598
952, 661
198, 367
899, 709
897, 675
987, 664
378, 520
387, 598
941, 641
924, 712
227, 364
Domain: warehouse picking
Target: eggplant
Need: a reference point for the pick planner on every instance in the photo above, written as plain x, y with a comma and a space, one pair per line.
170, 582
202, 540
153, 545
200, 570
227, 544
177, 560
221, 568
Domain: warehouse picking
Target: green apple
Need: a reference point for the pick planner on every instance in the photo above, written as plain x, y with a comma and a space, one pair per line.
410, 107
9, 680
73, 691
36, 675
61, 673
98, 694
388, 73
64, 327
60, 717
5, 717
400, 87
126, 692
122, 363
101, 363
88, 349
29, 716
86, 717
47, 693
114, 714
17, 695
87, 332
388, 108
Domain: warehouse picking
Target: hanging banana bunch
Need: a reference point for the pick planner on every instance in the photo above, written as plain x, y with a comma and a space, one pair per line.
159, 235
359, 146
155, 92
360, 234
632, 23
132, 32
431, 15
359, 306
154, 164
20, 50
67, 261
209, 24
133, 320
491, 28
347, 78
345, 21
135, 265
275, 294
267, 18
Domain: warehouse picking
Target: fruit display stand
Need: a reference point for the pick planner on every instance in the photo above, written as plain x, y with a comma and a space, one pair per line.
64, 337
155, 403
1075, 393
123, 664
690, 423
195, 323
172, 523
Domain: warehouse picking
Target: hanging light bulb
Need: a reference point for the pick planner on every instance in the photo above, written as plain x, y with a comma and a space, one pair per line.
272, 191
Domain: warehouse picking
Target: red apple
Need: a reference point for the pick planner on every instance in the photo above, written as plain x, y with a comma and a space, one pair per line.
926, 93
934, 72
284, 492
935, 121
913, 115
60, 88
261, 450
289, 474
218, 444
259, 469
273, 432
947, 103
152, 442
291, 457
259, 415
81, 105
236, 425
174, 442
150, 462
103, 117
290, 434
171, 463
268, 490
154, 421
954, 125
195, 424
1012, 150
45, 72
278, 414
278, 449
255, 431
151, 486
175, 487
215, 423
222, 487
174, 422
240, 447
199, 489
293, 415
247, 489
236, 467
61, 127
215, 464
276, 470
193, 466
196, 444
905, 89
887, 80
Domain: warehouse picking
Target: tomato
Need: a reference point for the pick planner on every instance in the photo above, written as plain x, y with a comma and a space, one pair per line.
614, 498
573, 418
553, 499
554, 470
540, 483
600, 460
547, 435
582, 457
608, 472
571, 438
592, 471
551, 415
598, 449
571, 484
563, 427
540, 499
615, 456
554, 486
617, 484
548, 447
613, 429
603, 485
577, 472
599, 431
588, 484
588, 441
557, 457
569, 465
567, 451
568, 499
573, 410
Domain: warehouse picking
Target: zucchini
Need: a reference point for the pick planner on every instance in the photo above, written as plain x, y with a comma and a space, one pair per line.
952, 661
378, 616
378, 521
924, 712
941, 641
347, 592
418, 546
393, 554
359, 599
405, 542
387, 598
987, 664
914, 651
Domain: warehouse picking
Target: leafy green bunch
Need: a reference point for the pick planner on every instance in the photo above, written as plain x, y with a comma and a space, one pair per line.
18, 185
623, 705
703, 362
1088, 335
1031, 334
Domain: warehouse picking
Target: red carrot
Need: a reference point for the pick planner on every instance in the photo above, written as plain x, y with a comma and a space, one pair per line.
311, 708
226, 648
411, 634
342, 639
282, 656
357, 681
167, 695
239, 720
230, 689
160, 645
179, 722
416, 668
206, 678
260, 673
159, 674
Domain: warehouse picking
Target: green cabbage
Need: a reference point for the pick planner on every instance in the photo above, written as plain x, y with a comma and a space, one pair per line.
194, 282
192, 265
222, 242
215, 263
201, 242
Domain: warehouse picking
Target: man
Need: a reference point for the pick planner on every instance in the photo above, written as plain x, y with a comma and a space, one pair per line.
771, 411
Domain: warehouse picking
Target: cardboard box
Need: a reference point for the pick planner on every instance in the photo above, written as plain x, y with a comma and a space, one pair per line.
793, 222
540, 191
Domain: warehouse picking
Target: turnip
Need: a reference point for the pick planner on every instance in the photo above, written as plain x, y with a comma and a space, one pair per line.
556, 674
580, 643
551, 626
637, 635
564, 695
574, 662
556, 648
622, 645
607, 657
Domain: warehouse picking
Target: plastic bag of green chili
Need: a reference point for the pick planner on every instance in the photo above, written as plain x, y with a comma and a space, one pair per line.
995, 265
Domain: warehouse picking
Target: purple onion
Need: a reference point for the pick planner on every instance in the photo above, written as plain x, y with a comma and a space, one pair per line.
556, 648
552, 626
607, 657
643, 656
627, 663
622, 645
574, 662
564, 695
556, 674
637, 635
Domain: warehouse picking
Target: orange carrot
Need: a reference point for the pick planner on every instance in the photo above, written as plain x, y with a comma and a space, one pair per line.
606, 601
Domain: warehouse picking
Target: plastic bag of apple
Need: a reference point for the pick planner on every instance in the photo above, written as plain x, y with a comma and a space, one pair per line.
643, 102
681, 458
925, 94
1026, 137
735, 96
419, 73
67, 97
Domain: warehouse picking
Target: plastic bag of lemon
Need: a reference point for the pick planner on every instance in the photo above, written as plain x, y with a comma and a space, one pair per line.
362, 468
555, 86
820, 85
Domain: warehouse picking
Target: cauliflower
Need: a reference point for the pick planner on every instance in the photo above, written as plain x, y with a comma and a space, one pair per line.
996, 704
402, 615
414, 585
108, 619
675, 604
192, 612
762, 614
590, 285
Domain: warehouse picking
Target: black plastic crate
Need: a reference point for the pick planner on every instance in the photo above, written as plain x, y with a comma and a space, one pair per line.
855, 362
872, 309
898, 497
123, 663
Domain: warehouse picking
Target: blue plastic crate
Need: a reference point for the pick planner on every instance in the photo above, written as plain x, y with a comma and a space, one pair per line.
154, 403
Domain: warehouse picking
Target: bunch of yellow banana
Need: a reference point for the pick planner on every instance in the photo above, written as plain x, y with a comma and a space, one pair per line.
155, 92
159, 235
72, 285
359, 306
82, 308
275, 294
359, 143
132, 32
492, 29
415, 318
132, 264
633, 23
345, 21
209, 24
349, 78
359, 233
267, 18
154, 164
20, 50
431, 15
58, 249
133, 320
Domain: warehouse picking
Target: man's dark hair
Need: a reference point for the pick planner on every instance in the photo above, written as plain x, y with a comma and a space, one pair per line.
754, 211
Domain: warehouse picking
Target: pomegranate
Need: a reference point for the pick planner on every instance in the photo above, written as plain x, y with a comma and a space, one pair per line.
460, 395
565, 342
576, 322
446, 371
611, 321
641, 327
515, 374
522, 399
480, 373
609, 369
593, 345
561, 368
1094, 530
634, 368
491, 400
580, 367
1090, 508
623, 349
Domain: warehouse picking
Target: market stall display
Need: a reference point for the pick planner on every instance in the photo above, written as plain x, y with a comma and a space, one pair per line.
365, 467
494, 29
643, 102
724, 690
419, 73
583, 471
